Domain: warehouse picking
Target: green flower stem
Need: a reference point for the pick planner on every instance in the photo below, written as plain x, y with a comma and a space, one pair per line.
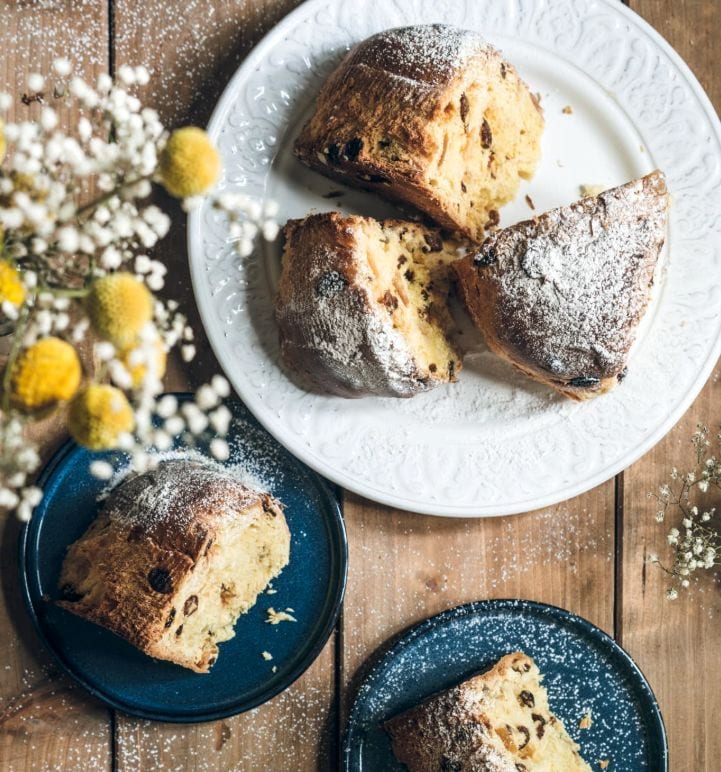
92, 205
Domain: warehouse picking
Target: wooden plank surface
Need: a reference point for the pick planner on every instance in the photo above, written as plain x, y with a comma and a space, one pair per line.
403, 567
677, 644
208, 41
46, 722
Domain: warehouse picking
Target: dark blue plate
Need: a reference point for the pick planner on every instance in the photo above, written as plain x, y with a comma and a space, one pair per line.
312, 584
584, 669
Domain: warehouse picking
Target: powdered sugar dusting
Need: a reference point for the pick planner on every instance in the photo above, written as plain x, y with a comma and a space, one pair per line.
571, 286
582, 671
430, 53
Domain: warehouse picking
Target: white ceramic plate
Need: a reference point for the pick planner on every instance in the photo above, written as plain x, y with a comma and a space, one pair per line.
495, 443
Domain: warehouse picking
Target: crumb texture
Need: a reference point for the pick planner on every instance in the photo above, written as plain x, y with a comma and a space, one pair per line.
361, 305
499, 721
174, 557
431, 116
561, 296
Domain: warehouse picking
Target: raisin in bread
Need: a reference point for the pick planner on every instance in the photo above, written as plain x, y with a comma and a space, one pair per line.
561, 296
361, 306
174, 557
495, 722
432, 116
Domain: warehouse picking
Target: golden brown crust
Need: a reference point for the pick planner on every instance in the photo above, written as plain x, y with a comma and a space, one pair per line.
332, 333
128, 570
370, 127
561, 296
497, 721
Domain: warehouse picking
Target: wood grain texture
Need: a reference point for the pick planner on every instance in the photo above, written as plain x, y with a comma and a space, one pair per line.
208, 41
677, 644
403, 567
406, 567
46, 722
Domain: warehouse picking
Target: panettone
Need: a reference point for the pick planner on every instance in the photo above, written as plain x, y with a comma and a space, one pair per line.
498, 721
432, 116
561, 296
361, 306
173, 558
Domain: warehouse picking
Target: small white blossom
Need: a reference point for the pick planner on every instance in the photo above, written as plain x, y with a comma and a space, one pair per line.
36, 82
188, 353
102, 470
219, 449
62, 67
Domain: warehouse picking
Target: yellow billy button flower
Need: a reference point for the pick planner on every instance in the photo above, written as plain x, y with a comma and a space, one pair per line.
11, 288
119, 306
189, 164
137, 366
45, 373
98, 416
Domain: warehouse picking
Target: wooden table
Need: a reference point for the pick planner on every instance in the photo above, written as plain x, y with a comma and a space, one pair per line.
587, 554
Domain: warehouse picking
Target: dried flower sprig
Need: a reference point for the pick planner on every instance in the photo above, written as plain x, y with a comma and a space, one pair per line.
695, 540
75, 232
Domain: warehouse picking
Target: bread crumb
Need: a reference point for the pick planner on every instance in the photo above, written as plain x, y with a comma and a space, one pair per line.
603, 763
274, 669
591, 190
529, 201
275, 617
586, 722
567, 110
267, 656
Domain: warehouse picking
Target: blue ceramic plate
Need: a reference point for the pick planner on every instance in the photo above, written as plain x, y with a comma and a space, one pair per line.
584, 669
127, 680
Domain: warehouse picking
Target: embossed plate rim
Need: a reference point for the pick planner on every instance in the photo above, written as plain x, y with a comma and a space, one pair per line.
326, 467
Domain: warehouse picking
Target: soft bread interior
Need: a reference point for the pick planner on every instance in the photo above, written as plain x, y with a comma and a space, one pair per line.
486, 142
407, 278
225, 584
521, 720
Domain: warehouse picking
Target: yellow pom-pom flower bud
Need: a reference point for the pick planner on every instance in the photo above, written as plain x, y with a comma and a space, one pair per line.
119, 306
3, 141
45, 373
11, 288
98, 416
189, 164
137, 364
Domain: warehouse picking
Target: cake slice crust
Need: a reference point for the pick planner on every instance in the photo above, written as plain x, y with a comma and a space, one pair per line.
498, 721
432, 116
361, 305
561, 296
172, 560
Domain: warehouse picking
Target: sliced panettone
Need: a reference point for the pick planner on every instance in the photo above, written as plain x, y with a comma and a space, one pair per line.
561, 296
432, 116
498, 721
174, 557
361, 305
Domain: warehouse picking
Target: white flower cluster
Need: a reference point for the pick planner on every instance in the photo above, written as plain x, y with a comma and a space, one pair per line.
247, 218
696, 543
18, 461
159, 422
73, 209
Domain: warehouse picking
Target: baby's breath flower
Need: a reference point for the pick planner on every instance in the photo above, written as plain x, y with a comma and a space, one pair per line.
696, 549
219, 449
